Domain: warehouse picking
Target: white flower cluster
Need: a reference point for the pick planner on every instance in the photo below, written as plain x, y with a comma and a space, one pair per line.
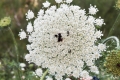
22, 34
38, 72
93, 10
46, 4
63, 40
29, 15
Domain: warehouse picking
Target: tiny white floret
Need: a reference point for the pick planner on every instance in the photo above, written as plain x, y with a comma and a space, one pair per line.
22, 34
93, 10
94, 69
99, 22
23, 69
84, 74
29, 15
102, 47
58, 1
29, 27
69, 1
46, 4
39, 72
49, 78
22, 65
23, 77
67, 79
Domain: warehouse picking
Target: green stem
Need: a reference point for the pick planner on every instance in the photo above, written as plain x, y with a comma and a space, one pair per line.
44, 74
114, 25
15, 43
16, 49
114, 38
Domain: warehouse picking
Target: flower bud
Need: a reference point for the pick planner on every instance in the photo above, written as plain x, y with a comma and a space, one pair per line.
5, 22
112, 63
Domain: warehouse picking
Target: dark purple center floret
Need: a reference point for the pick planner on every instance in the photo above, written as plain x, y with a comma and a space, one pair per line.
59, 37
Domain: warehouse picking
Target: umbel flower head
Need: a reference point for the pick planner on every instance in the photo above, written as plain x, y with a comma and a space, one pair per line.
5, 22
63, 39
112, 63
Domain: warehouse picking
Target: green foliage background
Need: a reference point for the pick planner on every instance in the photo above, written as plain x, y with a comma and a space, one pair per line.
16, 9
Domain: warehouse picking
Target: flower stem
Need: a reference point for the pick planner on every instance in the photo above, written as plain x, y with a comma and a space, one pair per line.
16, 49
44, 74
114, 25
114, 38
